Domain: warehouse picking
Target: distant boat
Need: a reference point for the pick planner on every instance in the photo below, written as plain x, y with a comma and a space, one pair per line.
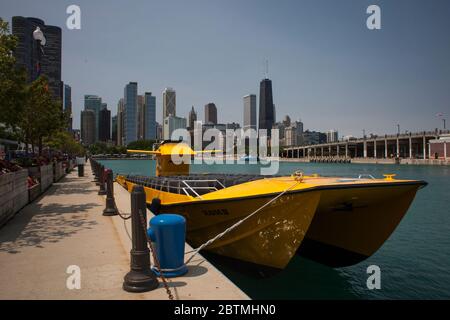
249, 158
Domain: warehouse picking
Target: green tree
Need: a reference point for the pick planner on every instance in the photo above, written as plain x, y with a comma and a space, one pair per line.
98, 148
118, 150
28, 112
12, 80
64, 141
103, 148
141, 145
42, 115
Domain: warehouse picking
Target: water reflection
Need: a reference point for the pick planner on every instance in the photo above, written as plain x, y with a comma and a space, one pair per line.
302, 279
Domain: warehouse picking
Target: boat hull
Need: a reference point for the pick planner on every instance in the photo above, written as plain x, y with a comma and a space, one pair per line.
353, 222
269, 238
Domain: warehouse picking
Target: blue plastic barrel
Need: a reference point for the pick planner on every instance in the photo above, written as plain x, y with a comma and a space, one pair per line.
168, 232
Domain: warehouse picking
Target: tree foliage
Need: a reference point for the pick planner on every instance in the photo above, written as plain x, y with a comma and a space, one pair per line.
141, 145
27, 110
12, 80
64, 141
42, 115
103, 148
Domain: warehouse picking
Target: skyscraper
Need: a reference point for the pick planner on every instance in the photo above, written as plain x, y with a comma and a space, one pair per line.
94, 103
266, 106
274, 114
210, 113
149, 116
68, 104
192, 118
38, 62
130, 113
120, 122
140, 117
105, 125
87, 127
250, 111
114, 129
169, 102
332, 136
172, 123
159, 131
287, 121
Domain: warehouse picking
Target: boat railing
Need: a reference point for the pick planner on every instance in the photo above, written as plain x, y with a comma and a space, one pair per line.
193, 188
366, 175
197, 184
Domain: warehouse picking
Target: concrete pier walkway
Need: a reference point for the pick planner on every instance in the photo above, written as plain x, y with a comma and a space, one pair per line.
65, 227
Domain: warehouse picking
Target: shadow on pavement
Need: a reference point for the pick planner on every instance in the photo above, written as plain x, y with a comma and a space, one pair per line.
38, 224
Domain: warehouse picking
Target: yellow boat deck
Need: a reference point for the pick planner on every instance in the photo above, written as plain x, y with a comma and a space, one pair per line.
257, 187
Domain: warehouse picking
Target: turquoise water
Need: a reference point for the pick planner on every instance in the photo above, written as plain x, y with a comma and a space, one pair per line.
414, 261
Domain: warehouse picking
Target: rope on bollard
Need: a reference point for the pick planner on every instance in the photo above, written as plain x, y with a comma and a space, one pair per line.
155, 258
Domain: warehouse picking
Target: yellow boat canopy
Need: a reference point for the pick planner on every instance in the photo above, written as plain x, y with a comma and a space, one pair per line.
167, 149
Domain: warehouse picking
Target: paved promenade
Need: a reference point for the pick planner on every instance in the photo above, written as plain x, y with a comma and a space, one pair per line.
65, 227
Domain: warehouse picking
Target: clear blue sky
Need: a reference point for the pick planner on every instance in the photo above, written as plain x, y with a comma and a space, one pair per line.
327, 68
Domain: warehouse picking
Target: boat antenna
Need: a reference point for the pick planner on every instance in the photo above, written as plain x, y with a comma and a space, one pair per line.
266, 68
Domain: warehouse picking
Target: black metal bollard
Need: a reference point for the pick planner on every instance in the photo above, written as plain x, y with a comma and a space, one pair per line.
102, 181
98, 176
81, 170
110, 209
140, 278
94, 168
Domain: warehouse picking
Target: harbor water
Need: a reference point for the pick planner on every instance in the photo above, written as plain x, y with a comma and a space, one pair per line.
414, 261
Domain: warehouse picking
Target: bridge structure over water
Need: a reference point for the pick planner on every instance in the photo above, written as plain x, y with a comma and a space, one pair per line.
400, 146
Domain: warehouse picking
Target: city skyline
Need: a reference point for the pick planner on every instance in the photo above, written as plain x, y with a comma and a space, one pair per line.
342, 76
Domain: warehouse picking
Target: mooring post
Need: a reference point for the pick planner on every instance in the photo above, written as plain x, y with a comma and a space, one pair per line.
110, 209
99, 174
102, 190
140, 278
95, 171
80, 170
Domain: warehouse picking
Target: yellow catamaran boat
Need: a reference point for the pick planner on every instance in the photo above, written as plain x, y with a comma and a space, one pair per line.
335, 221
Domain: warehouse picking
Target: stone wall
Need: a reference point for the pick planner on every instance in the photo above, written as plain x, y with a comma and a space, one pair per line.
13, 194
58, 171
46, 176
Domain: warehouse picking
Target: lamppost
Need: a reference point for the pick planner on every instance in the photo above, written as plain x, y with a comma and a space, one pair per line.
398, 129
38, 35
